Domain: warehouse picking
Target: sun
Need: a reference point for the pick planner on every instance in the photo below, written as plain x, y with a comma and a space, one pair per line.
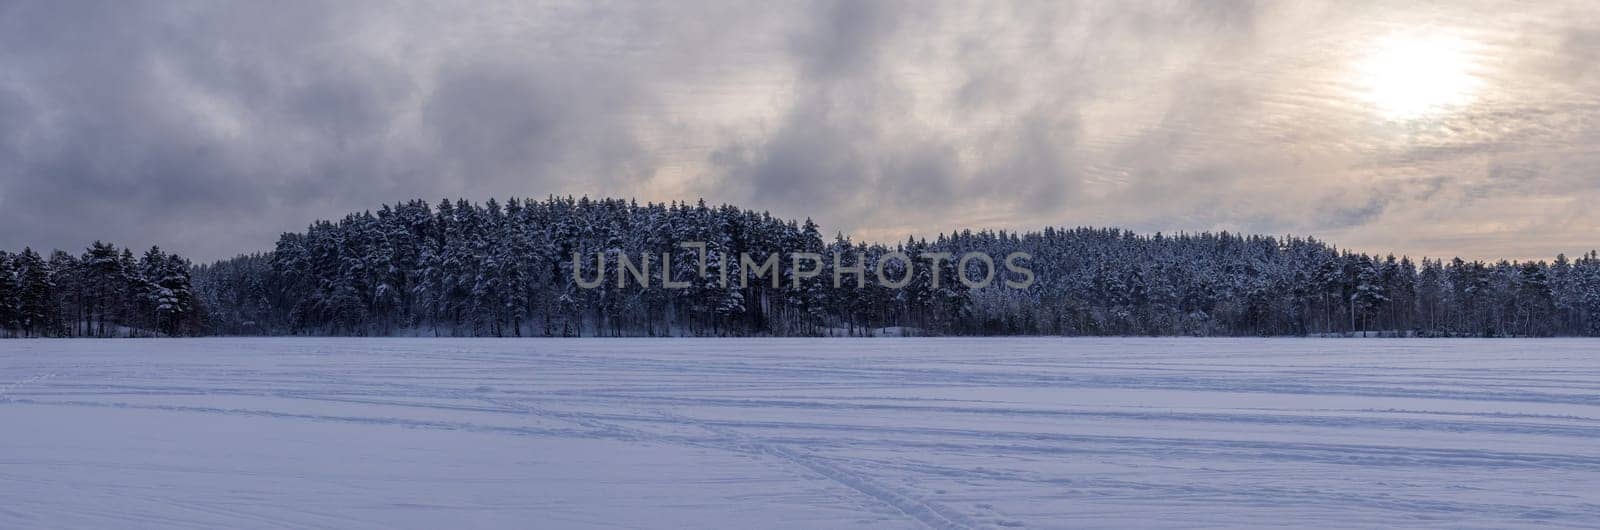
1413, 76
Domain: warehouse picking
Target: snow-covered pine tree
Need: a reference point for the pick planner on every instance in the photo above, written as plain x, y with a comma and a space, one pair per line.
10, 293
38, 308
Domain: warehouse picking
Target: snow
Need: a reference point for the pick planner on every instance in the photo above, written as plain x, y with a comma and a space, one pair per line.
799, 433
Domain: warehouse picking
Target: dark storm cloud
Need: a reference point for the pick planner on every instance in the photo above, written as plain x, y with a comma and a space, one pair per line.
849, 152
837, 155
844, 38
135, 130
211, 127
204, 126
498, 121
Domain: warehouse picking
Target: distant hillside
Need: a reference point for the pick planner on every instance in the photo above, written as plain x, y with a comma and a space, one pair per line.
505, 269
493, 269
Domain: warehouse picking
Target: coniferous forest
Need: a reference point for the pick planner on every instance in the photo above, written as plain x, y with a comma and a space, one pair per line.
506, 270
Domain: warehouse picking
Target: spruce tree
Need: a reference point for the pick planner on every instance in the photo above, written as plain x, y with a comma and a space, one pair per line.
37, 303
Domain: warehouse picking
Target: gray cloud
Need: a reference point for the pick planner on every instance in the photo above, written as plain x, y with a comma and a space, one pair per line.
212, 127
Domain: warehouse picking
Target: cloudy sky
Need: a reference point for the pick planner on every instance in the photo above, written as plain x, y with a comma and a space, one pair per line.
1408, 127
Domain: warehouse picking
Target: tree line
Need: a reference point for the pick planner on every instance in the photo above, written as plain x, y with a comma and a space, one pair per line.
103, 293
507, 269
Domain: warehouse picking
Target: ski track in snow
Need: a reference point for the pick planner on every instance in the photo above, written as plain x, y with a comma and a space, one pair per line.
799, 433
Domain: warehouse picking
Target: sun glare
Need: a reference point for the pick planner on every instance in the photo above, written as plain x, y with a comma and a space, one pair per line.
1412, 76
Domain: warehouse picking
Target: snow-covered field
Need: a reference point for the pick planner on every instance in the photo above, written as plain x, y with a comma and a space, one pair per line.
874, 433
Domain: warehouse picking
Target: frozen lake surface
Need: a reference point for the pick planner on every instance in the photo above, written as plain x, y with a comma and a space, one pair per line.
799, 433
